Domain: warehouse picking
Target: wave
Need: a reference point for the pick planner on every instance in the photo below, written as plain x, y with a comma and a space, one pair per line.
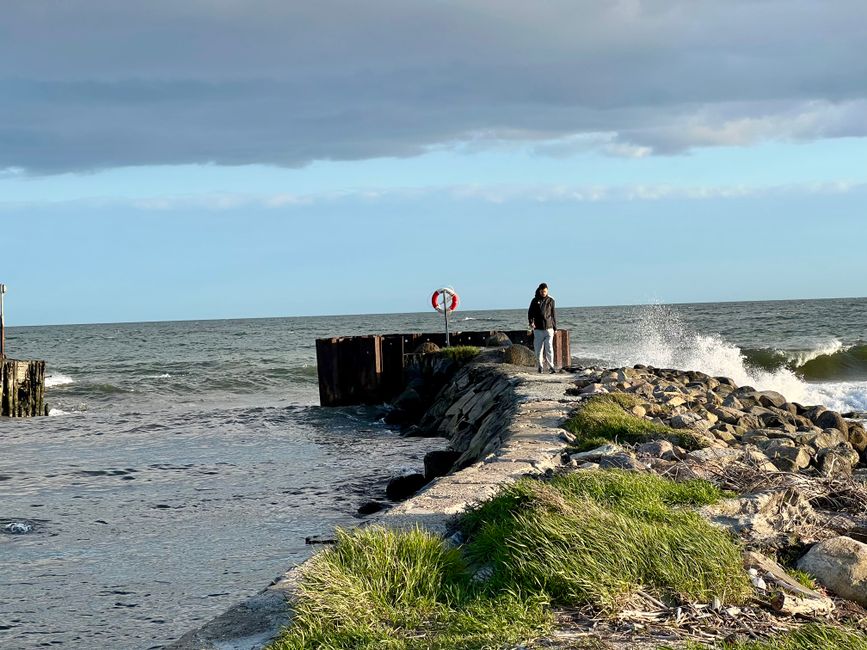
58, 379
663, 340
829, 362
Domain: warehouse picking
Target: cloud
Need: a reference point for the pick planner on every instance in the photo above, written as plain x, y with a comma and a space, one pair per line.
90, 84
495, 194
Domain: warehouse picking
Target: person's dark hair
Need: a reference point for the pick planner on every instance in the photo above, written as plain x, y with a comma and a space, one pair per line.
539, 289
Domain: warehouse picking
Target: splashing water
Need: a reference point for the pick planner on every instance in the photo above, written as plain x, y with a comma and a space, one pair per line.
663, 340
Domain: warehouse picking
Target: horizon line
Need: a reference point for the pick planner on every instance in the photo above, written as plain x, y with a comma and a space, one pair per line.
410, 313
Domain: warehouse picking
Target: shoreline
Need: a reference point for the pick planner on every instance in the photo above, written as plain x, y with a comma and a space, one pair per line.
509, 423
528, 411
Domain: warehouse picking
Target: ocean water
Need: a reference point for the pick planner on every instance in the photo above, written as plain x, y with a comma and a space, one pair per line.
184, 463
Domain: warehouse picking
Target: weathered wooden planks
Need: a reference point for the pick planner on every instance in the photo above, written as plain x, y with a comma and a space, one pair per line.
369, 369
23, 388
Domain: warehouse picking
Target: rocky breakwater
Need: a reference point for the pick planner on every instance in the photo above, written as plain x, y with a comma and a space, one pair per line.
796, 474
717, 414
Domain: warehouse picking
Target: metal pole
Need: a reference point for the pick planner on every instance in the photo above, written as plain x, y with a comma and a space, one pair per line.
446, 314
2, 324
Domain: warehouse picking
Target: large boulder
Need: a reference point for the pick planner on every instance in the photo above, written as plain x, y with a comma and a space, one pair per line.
771, 398
439, 462
519, 355
840, 565
498, 340
837, 461
427, 348
403, 487
788, 458
832, 420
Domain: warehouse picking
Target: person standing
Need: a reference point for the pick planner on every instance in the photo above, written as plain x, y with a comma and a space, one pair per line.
543, 322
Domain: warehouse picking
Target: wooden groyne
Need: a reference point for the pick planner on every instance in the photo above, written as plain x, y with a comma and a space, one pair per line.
370, 369
23, 393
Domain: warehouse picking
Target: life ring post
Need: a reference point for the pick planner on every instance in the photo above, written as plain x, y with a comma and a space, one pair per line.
450, 301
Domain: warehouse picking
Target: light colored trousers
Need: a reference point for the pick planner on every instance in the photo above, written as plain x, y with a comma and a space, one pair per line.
543, 341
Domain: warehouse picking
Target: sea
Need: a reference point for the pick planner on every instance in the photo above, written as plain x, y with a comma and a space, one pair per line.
184, 463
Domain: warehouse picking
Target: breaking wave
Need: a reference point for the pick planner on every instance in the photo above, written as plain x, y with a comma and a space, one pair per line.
663, 340
58, 380
829, 362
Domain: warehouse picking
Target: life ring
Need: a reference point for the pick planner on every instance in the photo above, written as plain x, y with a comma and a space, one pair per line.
445, 291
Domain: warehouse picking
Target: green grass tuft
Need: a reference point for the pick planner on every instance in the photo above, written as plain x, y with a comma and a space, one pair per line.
593, 538
460, 353
403, 590
809, 637
604, 417
802, 577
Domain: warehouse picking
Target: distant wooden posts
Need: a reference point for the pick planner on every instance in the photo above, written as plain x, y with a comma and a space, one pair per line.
23, 388
369, 369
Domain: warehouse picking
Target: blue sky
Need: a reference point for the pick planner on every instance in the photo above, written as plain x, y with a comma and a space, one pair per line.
636, 157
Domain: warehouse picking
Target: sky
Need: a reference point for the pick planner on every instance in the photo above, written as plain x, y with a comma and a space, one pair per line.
228, 158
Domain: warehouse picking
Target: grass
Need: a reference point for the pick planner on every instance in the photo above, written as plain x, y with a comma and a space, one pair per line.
605, 418
808, 637
460, 353
588, 538
380, 588
802, 577
594, 538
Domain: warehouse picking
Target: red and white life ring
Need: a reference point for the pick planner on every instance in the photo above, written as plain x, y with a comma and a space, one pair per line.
446, 293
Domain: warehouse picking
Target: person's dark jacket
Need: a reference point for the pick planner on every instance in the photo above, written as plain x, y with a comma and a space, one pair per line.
541, 314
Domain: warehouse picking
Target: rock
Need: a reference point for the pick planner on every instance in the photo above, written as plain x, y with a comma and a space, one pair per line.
749, 422
828, 438
623, 460
857, 437
713, 454
840, 565
760, 460
674, 400
403, 487
656, 449
788, 458
498, 340
519, 355
726, 381
791, 408
427, 348
726, 414
370, 507
724, 436
763, 518
769, 398
832, 420
594, 455
593, 389
409, 400
813, 413
439, 462
688, 420
568, 438
837, 461
638, 411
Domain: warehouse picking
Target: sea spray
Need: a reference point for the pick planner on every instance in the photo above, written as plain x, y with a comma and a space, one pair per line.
662, 339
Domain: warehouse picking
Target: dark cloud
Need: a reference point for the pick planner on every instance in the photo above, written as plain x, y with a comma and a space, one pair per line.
87, 84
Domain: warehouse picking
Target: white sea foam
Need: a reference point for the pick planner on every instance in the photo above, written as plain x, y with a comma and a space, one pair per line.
829, 347
57, 412
58, 380
664, 341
